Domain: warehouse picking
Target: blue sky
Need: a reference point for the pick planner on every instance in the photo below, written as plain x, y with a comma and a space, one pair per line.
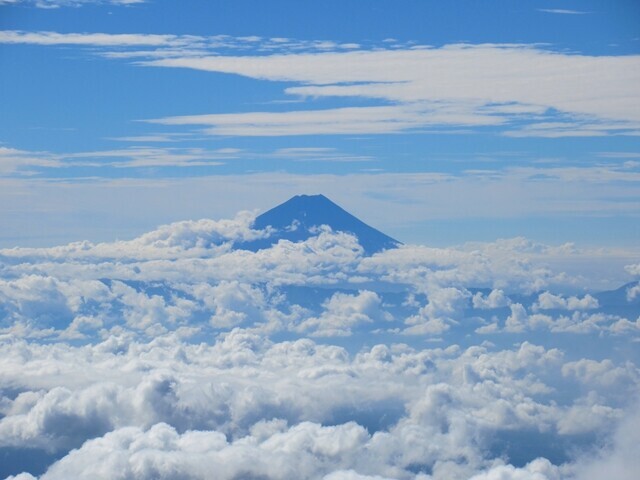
437, 122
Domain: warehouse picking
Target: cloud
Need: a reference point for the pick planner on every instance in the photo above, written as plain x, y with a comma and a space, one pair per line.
562, 11
548, 301
435, 87
342, 312
137, 157
513, 89
177, 353
539, 469
516, 321
633, 269
339, 121
301, 452
495, 299
70, 3
12, 160
633, 292
87, 39
318, 154
620, 458
602, 375
443, 308
232, 303
168, 406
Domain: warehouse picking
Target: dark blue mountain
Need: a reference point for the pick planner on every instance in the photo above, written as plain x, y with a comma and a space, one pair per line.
298, 218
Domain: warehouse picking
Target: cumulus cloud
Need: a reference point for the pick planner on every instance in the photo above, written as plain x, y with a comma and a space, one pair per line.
620, 458
443, 307
167, 407
342, 312
539, 469
548, 301
633, 269
182, 397
516, 321
495, 299
178, 353
633, 292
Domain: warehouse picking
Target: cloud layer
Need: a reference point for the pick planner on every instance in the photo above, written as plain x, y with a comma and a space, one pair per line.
453, 85
520, 90
177, 354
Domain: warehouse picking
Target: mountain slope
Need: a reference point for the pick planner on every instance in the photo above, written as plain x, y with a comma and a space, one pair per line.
297, 218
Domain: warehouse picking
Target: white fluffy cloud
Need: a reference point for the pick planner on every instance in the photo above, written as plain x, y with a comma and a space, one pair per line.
539, 469
342, 312
548, 301
633, 292
170, 408
495, 299
633, 269
443, 308
179, 354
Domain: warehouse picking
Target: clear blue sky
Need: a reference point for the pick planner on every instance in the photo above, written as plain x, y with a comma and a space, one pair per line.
437, 122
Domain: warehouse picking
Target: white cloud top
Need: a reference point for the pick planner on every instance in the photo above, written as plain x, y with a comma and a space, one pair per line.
176, 354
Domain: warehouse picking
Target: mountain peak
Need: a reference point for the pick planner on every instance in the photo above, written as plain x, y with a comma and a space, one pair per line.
318, 198
306, 213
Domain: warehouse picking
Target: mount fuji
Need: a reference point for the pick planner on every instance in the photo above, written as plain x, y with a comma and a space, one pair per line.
298, 218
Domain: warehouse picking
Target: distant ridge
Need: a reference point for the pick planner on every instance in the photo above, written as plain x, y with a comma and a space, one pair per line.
296, 218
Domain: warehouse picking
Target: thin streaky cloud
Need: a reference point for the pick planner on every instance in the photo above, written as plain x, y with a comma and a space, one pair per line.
160, 138
619, 154
484, 84
453, 85
338, 121
50, 4
89, 39
562, 11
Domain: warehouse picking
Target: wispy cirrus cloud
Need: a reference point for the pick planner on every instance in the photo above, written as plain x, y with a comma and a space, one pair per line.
69, 3
172, 45
548, 93
337, 121
90, 39
318, 154
519, 90
15, 162
12, 159
134, 157
562, 11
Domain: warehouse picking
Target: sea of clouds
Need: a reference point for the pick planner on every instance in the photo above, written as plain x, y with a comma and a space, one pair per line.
180, 355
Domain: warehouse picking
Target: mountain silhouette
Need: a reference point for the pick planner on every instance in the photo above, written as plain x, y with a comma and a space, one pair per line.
298, 218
